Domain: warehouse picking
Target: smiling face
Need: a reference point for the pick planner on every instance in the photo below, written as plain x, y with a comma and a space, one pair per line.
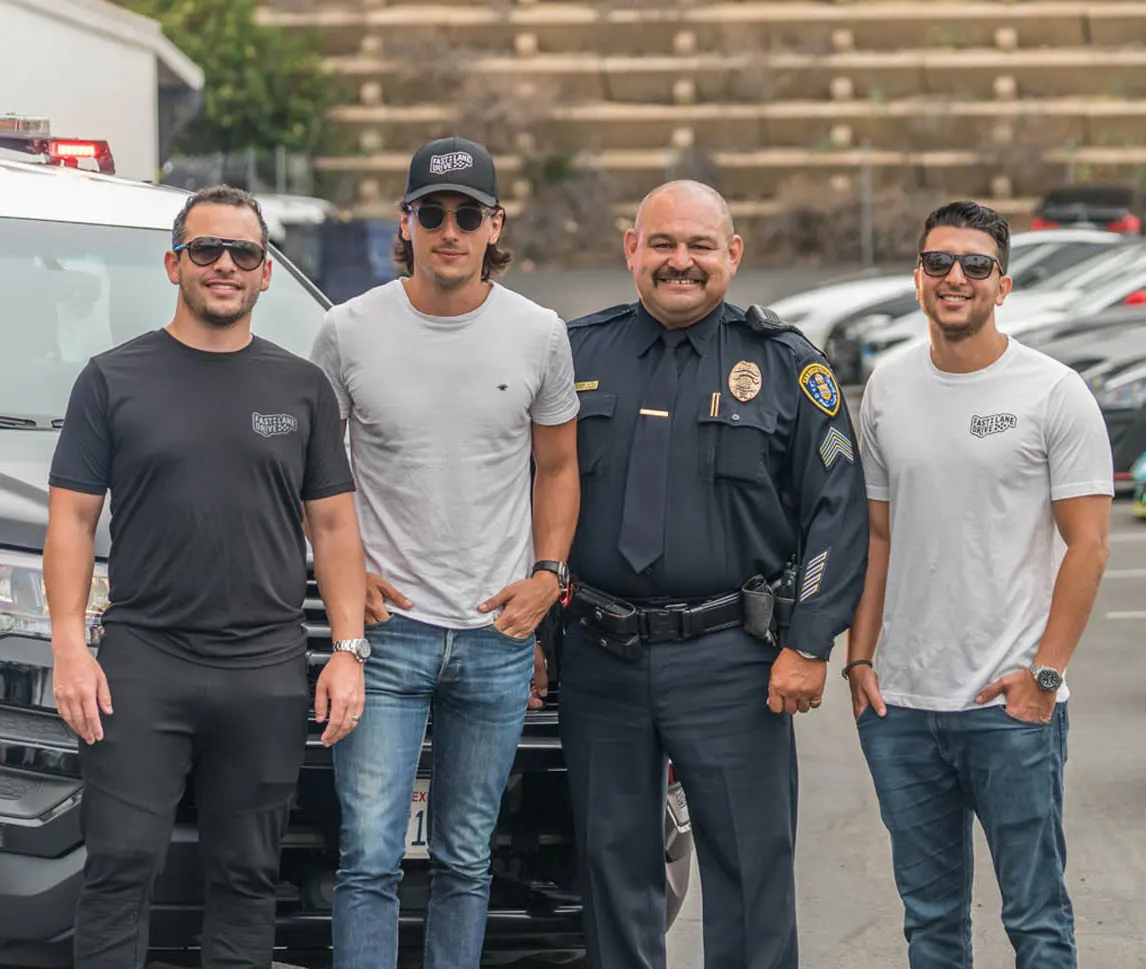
957, 306
221, 294
682, 253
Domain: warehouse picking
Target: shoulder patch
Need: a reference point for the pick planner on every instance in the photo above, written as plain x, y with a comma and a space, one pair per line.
819, 385
602, 316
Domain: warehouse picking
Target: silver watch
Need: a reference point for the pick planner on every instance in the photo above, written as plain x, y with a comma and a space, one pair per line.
359, 647
1047, 678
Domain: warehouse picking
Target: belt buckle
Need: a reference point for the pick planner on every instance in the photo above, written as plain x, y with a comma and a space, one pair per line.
665, 623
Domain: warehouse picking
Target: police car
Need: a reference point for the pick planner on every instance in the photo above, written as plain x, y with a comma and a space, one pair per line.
81, 270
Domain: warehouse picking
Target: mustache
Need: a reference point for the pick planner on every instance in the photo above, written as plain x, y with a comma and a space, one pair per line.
668, 275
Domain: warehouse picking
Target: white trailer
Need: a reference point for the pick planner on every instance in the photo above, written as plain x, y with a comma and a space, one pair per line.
97, 71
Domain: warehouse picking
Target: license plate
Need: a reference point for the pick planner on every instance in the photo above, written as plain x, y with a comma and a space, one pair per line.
417, 843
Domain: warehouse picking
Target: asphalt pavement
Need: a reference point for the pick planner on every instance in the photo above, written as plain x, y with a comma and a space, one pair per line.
850, 916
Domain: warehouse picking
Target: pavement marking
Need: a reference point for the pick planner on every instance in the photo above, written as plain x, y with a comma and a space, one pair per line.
1124, 573
1129, 614
1128, 536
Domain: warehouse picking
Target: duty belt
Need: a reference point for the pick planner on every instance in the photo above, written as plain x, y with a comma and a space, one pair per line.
623, 627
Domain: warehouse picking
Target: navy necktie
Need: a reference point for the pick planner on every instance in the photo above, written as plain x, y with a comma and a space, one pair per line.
646, 486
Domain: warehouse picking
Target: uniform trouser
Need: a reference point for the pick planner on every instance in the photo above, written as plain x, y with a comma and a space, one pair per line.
703, 702
240, 735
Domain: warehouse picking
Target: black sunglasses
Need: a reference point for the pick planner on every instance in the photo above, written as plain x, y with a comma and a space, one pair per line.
976, 265
468, 218
207, 250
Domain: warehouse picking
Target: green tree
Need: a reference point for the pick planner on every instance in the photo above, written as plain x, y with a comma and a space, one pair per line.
263, 86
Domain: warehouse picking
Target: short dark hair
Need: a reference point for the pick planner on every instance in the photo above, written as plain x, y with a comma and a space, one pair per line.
217, 195
966, 214
495, 261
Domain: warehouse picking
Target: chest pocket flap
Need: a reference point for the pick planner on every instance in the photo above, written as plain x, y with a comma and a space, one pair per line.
735, 440
594, 431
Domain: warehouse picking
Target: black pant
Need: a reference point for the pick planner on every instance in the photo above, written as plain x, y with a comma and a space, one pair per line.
241, 735
702, 702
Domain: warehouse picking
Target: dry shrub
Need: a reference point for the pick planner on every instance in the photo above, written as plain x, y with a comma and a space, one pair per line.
820, 225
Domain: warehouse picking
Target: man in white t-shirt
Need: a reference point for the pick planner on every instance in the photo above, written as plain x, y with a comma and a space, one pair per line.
450, 384
989, 479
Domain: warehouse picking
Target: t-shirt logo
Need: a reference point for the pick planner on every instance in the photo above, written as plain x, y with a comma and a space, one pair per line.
270, 425
992, 424
455, 161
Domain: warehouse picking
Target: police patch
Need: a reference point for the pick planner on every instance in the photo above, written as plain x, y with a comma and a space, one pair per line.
812, 575
819, 383
835, 445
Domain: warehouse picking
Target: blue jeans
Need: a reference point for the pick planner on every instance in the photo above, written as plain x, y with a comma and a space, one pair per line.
933, 773
478, 684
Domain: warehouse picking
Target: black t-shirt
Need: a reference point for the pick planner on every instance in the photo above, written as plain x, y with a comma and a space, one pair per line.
208, 458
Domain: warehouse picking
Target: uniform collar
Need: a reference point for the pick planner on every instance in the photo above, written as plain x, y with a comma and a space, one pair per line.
699, 333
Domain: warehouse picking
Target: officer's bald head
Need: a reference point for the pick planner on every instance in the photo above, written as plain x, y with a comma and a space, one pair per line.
682, 251
688, 190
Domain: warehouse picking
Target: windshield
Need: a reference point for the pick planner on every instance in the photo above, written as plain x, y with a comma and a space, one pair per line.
68, 291
1107, 263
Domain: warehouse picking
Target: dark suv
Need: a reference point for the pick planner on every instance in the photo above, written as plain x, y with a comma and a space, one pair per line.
81, 270
1113, 206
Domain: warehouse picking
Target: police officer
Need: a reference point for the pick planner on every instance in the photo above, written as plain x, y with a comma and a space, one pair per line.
715, 450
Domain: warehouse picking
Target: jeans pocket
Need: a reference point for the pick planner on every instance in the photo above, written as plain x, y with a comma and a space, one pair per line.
863, 717
516, 640
1042, 724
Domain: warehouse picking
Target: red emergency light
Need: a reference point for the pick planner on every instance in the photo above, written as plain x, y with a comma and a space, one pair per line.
31, 136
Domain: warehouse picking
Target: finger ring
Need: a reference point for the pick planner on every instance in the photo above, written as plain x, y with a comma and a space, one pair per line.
816, 703
355, 719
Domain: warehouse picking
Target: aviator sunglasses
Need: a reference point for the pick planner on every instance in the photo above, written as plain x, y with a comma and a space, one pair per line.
468, 218
207, 250
976, 265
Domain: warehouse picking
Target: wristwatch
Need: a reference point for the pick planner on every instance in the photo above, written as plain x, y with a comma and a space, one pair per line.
559, 569
359, 647
1047, 678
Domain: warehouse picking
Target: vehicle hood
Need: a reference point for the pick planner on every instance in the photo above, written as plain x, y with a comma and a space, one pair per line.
25, 459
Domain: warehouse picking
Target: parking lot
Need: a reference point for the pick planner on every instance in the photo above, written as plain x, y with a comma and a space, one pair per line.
850, 915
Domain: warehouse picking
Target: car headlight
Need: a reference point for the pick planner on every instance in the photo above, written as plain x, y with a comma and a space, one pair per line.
24, 604
1126, 395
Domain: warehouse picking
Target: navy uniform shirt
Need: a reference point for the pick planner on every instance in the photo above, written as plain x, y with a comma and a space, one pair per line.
763, 466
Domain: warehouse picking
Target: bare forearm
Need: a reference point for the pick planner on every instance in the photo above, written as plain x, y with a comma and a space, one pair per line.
340, 568
864, 633
1075, 589
556, 504
69, 560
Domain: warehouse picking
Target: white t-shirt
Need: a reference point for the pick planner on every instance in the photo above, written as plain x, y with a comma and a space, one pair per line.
971, 464
440, 413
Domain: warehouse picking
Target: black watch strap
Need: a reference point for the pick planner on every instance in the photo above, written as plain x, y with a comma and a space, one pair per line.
559, 569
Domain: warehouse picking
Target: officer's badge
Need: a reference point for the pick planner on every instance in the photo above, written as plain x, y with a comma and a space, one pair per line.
819, 383
835, 445
744, 380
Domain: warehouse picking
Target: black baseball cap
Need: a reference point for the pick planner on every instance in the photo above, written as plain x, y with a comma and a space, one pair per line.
452, 165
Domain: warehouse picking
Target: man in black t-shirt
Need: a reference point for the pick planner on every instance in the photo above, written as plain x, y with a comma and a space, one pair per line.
214, 445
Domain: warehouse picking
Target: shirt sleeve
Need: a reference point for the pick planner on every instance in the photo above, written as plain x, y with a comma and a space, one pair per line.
874, 467
82, 461
556, 400
1077, 442
828, 482
327, 354
327, 466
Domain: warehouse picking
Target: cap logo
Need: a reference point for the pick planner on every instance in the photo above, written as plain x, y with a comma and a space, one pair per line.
453, 162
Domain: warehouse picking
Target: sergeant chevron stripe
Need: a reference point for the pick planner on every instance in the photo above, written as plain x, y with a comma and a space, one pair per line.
834, 445
812, 575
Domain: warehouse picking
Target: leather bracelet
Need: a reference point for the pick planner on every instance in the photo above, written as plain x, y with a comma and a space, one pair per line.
853, 664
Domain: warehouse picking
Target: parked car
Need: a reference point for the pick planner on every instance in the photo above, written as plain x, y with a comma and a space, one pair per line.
1037, 259
81, 269
1114, 206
